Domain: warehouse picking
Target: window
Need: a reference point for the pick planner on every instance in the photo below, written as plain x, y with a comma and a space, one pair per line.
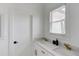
57, 20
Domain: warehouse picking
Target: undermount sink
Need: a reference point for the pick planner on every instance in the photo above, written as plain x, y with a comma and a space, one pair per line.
48, 44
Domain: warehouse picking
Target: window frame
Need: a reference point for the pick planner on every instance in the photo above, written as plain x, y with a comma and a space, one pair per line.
50, 23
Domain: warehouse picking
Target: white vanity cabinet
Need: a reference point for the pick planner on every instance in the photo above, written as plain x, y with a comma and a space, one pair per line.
42, 48
40, 51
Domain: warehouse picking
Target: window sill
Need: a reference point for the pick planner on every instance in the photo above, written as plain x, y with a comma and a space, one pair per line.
57, 34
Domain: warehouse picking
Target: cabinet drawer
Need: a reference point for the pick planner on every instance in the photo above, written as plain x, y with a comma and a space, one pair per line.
44, 52
39, 51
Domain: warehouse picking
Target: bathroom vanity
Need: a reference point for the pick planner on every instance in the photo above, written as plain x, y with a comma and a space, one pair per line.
45, 48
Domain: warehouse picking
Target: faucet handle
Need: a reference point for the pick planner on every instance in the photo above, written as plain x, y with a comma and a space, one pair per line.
55, 42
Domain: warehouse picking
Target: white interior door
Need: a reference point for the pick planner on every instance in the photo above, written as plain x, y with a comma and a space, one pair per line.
20, 35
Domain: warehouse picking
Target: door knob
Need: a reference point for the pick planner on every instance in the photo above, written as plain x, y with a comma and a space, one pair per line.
15, 42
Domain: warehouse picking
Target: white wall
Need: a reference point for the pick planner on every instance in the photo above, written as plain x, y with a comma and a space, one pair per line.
74, 23
6, 10
49, 7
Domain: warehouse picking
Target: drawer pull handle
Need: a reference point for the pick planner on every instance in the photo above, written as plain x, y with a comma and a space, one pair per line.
43, 52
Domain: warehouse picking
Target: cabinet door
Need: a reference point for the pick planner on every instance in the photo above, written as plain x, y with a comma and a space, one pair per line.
39, 51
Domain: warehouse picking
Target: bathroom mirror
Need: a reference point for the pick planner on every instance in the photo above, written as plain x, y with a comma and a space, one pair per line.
57, 20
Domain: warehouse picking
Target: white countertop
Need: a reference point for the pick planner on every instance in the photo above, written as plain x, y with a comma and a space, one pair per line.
56, 50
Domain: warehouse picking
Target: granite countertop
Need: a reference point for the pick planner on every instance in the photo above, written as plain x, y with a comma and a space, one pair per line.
56, 50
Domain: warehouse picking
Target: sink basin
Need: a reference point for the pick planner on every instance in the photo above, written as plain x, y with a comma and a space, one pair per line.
48, 44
